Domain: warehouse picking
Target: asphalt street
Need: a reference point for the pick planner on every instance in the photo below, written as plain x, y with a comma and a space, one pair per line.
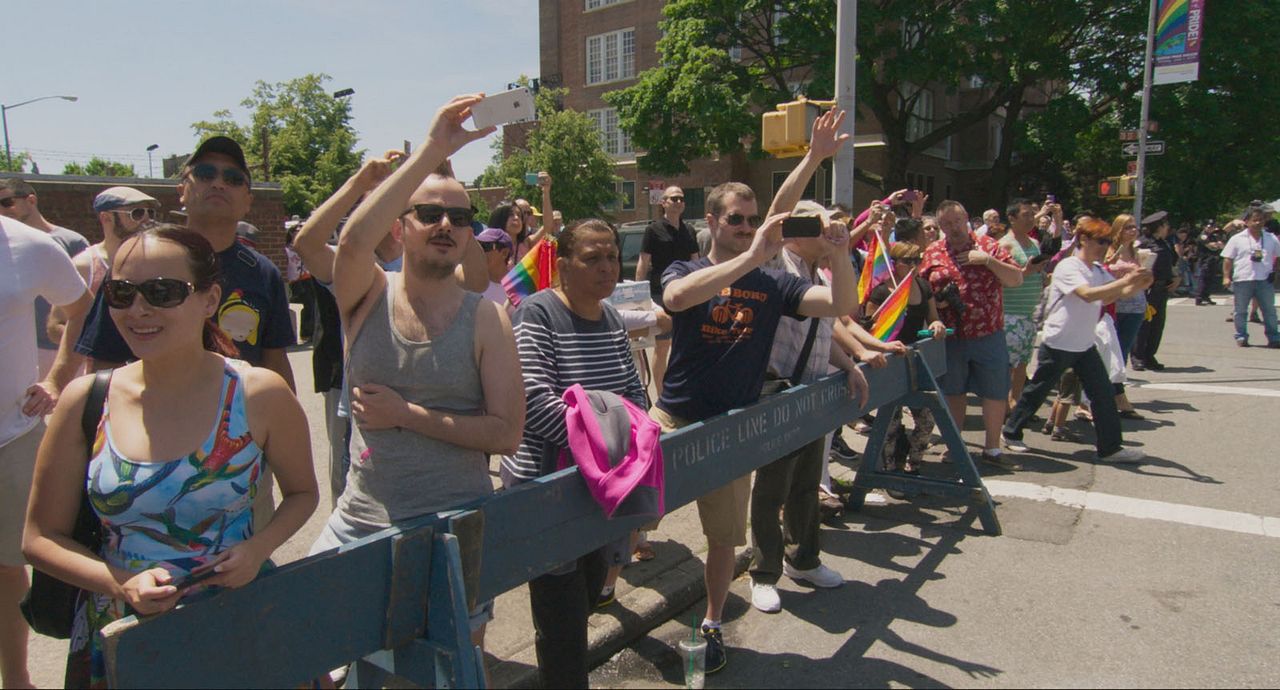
1156, 575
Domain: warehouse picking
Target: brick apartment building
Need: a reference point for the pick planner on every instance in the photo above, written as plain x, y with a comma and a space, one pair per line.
591, 47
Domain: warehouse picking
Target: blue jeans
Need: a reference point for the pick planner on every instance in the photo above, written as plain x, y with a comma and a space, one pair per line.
1127, 327
1246, 291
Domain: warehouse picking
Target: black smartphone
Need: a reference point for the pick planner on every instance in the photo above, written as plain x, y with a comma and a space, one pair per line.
1040, 258
802, 226
193, 579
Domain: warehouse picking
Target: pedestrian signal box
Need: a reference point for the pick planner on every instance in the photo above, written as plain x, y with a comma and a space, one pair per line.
785, 132
1118, 187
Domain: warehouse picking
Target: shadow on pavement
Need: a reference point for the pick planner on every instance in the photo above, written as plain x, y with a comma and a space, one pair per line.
1152, 461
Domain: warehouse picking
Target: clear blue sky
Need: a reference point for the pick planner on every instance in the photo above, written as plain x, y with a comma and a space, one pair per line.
145, 70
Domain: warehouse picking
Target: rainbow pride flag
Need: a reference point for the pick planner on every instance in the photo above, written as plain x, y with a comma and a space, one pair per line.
875, 269
537, 270
890, 316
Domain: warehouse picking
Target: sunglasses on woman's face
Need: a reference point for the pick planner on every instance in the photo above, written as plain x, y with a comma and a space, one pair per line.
208, 172
738, 218
430, 214
138, 214
164, 293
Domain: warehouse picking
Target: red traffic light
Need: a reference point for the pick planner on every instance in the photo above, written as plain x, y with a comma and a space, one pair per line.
1107, 188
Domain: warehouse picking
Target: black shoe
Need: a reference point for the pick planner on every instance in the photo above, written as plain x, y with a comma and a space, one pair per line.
841, 450
1254, 318
1137, 365
603, 600
715, 649
1154, 365
1204, 302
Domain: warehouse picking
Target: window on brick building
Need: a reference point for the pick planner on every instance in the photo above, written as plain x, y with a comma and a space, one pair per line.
920, 120
611, 56
597, 4
615, 141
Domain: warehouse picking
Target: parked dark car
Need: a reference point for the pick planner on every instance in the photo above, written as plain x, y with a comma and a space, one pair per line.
630, 237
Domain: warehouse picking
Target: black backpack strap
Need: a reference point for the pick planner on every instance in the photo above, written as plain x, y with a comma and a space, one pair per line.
92, 414
804, 352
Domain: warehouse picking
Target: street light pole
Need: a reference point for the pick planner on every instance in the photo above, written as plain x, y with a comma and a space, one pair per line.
4, 116
151, 172
846, 98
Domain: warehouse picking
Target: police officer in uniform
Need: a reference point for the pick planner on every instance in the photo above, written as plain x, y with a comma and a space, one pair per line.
1209, 269
1155, 238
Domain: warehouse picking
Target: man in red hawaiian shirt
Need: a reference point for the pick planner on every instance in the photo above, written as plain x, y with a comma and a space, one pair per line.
968, 274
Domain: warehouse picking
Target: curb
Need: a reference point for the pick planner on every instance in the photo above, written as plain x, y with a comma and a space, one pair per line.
642, 609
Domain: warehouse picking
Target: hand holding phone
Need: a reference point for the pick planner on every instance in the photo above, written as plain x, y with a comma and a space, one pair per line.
503, 108
801, 226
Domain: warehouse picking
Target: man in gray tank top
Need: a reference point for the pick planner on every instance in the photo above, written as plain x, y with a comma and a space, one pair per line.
431, 368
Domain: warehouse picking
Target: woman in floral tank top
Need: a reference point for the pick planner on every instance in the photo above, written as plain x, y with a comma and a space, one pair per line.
175, 521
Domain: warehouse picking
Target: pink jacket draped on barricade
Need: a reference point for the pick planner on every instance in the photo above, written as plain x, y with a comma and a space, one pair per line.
616, 447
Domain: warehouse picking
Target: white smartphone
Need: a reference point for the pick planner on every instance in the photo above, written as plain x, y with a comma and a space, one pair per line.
503, 108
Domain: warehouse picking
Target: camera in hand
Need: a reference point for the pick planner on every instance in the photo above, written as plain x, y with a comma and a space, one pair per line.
1257, 255
951, 295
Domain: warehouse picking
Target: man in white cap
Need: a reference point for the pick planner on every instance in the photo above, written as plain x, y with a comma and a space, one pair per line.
122, 211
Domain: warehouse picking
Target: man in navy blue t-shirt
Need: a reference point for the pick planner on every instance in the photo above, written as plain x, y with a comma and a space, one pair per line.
215, 188
724, 310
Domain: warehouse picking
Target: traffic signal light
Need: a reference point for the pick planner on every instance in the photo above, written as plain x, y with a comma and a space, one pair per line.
785, 132
1118, 187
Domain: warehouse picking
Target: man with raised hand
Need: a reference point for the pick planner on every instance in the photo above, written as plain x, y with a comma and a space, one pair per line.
432, 369
802, 351
725, 308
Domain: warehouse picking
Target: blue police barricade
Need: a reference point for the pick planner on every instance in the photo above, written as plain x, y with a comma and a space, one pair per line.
397, 602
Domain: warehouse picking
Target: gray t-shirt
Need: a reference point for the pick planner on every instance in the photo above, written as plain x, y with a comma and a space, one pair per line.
72, 243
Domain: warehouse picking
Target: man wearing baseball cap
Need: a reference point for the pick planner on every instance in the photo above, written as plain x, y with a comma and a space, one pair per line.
215, 188
497, 247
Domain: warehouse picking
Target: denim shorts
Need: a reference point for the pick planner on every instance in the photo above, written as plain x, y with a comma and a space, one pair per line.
977, 365
338, 531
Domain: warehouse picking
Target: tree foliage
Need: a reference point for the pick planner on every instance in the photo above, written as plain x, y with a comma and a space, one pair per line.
20, 160
98, 167
566, 145
298, 135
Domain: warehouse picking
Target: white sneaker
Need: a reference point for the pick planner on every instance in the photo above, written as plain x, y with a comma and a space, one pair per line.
1124, 456
765, 597
821, 576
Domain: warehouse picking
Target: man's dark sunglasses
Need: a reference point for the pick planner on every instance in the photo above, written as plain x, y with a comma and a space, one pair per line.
676, 199
138, 214
430, 214
207, 172
490, 246
9, 201
738, 218
159, 292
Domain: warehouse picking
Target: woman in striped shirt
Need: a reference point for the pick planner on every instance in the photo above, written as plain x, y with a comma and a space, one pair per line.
568, 335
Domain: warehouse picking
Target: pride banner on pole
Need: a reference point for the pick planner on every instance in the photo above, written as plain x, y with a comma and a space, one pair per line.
1179, 33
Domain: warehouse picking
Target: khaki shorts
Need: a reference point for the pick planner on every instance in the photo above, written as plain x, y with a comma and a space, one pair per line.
723, 512
17, 465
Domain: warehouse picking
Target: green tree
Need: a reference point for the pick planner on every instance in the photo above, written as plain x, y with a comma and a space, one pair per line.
566, 144
298, 135
723, 62
99, 167
20, 162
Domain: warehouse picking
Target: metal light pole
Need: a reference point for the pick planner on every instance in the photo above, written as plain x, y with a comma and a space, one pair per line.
151, 172
4, 117
846, 99
1140, 193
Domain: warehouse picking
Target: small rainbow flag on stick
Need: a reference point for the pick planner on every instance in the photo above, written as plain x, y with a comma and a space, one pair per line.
537, 270
875, 269
888, 319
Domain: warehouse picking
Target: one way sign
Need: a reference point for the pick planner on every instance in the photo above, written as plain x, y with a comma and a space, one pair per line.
1154, 148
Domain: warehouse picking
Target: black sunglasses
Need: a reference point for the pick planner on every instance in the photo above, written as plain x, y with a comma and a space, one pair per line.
490, 246
9, 201
676, 199
207, 172
738, 218
159, 292
430, 214
138, 214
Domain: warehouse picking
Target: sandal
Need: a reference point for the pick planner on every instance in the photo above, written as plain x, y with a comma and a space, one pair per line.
1130, 414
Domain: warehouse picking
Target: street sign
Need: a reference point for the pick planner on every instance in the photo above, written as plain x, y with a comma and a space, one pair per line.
1154, 148
1132, 134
